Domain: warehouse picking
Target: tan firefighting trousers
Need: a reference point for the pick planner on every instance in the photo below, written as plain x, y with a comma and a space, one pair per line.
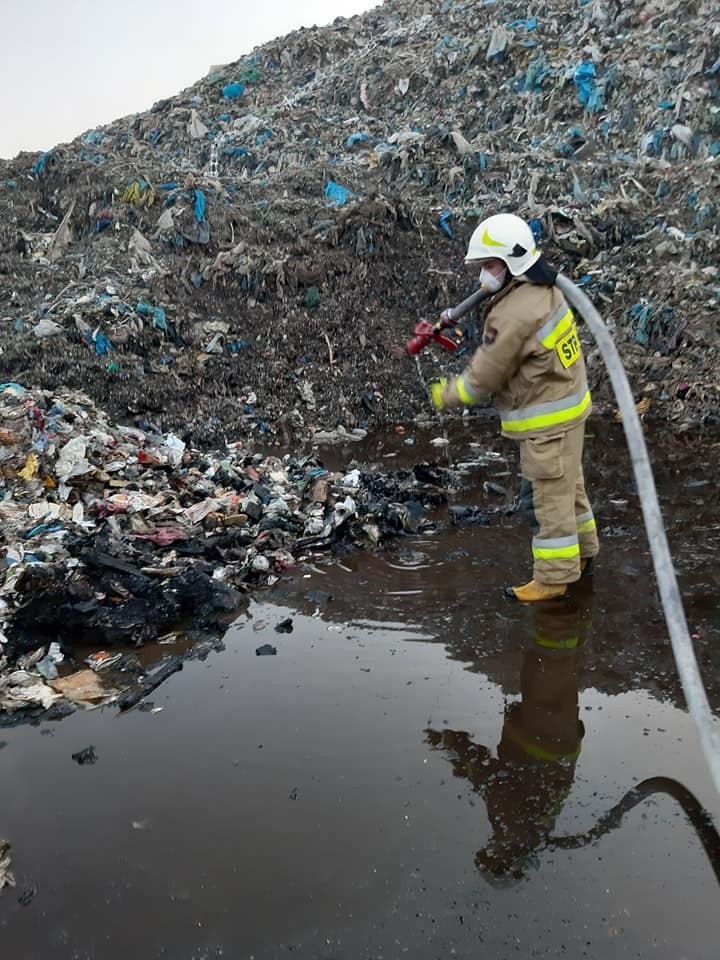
553, 498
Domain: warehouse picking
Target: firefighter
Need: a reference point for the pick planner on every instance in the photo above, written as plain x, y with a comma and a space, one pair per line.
531, 361
526, 785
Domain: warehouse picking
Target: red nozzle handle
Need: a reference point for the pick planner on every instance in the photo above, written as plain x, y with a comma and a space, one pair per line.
424, 333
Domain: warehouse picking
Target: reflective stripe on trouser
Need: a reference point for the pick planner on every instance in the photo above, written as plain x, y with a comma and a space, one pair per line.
556, 643
585, 520
553, 498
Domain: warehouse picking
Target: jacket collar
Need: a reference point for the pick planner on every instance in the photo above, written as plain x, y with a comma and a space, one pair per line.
508, 288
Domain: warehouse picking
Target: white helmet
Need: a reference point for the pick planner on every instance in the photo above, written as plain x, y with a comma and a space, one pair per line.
507, 238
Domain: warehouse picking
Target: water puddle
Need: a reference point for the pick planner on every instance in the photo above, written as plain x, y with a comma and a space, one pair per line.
421, 769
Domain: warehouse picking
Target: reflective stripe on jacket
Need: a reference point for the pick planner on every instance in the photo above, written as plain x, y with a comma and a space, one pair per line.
531, 360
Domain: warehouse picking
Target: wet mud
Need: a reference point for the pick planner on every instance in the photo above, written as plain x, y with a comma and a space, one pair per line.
422, 768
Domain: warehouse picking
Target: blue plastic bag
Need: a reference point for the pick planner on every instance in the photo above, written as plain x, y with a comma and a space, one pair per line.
102, 343
529, 24
337, 194
233, 90
101, 223
444, 224
41, 162
356, 138
535, 75
589, 94
641, 314
200, 206
14, 389
537, 229
157, 314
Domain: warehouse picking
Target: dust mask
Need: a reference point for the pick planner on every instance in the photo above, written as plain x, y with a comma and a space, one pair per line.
492, 283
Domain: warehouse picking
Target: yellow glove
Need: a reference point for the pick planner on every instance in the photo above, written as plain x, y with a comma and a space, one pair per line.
437, 388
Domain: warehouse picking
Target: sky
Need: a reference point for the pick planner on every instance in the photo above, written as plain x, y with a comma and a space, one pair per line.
70, 65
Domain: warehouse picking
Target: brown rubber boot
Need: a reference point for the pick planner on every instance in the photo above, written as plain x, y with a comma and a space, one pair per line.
536, 590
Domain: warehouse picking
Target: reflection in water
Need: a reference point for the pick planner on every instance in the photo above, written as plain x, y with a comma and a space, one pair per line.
698, 816
526, 785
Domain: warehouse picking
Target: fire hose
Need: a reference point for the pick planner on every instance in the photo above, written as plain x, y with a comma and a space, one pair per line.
682, 648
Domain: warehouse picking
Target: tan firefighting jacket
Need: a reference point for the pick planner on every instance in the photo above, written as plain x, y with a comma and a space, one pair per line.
530, 360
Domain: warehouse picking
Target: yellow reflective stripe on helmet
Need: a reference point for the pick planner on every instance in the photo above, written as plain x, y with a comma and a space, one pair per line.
546, 414
466, 395
558, 325
488, 240
555, 548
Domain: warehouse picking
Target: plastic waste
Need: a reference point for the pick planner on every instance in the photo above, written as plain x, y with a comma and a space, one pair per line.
175, 448
337, 194
47, 667
87, 755
266, 650
83, 688
445, 224
7, 879
157, 314
45, 327
589, 93
196, 128
232, 91
72, 461
200, 205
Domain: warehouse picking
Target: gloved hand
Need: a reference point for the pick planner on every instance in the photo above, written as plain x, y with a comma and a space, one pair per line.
446, 319
436, 391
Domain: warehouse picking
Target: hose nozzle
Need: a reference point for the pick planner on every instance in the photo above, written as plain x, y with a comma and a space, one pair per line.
426, 332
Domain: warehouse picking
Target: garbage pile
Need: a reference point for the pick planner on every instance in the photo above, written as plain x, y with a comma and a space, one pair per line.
113, 536
243, 258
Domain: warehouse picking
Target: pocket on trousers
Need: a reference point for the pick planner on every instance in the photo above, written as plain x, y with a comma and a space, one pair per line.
541, 458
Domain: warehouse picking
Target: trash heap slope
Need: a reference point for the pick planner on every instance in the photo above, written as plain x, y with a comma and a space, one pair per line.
242, 257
